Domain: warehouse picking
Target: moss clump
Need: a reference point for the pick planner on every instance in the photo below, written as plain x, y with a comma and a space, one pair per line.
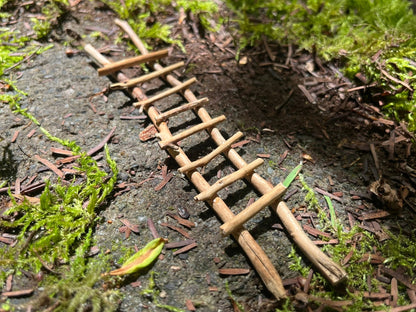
54, 234
143, 16
375, 38
358, 244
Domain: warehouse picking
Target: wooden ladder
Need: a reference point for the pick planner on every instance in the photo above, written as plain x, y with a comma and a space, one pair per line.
233, 224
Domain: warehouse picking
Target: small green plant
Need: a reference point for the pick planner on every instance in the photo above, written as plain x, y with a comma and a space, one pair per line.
141, 16
286, 307
232, 298
152, 292
296, 263
313, 202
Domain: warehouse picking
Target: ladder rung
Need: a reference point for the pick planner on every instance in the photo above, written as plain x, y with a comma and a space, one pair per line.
224, 182
184, 134
115, 66
175, 111
206, 159
134, 81
245, 215
166, 93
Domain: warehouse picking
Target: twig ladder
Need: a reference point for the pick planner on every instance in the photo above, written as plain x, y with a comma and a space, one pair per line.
233, 224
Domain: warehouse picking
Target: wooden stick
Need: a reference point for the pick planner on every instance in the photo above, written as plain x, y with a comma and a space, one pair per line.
258, 182
157, 97
332, 271
231, 178
254, 252
175, 111
263, 186
245, 215
206, 159
132, 82
116, 66
184, 134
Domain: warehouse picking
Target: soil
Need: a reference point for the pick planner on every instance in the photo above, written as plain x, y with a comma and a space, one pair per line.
259, 96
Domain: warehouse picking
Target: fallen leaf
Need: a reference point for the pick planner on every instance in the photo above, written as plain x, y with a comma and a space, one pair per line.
141, 259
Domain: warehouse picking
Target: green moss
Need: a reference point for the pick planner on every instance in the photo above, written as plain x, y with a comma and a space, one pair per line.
399, 252
56, 234
81, 287
142, 16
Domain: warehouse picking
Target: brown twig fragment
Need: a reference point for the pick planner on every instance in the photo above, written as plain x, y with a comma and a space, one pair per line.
6, 240
307, 94
332, 196
152, 228
15, 135
189, 224
50, 165
102, 143
177, 229
60, 151
241, 143
233, 271
168, 177
179, 244
189, 305
31, 133
17, 293
131, 226
9, 282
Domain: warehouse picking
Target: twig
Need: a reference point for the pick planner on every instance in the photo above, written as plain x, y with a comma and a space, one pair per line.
320, 191
179, 244
102, 143
50, 165
152, 228
189, 224
233, 271
168, 177
17, 293
110, 68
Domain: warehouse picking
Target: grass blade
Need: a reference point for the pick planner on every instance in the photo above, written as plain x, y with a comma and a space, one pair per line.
292, 175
